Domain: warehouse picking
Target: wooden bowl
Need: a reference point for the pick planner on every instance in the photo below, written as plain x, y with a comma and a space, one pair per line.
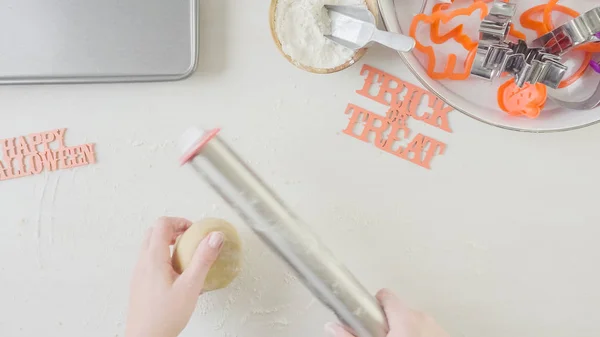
371, 4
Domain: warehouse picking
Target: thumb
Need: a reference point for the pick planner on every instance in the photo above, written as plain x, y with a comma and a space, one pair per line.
397, 313
205, 255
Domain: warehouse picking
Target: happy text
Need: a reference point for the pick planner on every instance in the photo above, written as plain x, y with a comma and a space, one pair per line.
28, 155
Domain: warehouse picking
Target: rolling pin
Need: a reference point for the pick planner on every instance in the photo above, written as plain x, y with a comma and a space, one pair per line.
283, 232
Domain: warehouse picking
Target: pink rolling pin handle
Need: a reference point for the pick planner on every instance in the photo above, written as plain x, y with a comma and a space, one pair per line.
194, 150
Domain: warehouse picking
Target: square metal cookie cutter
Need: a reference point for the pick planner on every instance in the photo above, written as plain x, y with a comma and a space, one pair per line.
582, 30
579, 31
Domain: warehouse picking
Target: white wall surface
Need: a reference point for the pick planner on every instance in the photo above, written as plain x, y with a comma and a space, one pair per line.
499, 239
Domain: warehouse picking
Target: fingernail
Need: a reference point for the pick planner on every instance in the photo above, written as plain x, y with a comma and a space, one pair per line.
330, 329
215, 240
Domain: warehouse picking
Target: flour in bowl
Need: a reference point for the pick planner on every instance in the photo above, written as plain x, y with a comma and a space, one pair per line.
300, 25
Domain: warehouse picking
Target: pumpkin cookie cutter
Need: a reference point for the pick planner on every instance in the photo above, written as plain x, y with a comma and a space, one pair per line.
528, 100
577, 32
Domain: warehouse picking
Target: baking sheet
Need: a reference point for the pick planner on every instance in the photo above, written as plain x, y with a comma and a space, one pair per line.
63, 41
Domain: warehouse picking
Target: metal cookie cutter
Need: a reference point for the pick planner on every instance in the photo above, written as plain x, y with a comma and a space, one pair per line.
581, 30
495, 55
587, 104
496, 25
527, 65
493, 31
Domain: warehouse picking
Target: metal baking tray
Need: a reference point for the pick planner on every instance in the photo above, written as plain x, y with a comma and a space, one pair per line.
82, 41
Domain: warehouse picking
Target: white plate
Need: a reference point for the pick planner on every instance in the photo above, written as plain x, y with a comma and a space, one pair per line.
476, 97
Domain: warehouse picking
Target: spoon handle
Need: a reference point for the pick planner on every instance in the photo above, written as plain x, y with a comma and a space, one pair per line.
395, 41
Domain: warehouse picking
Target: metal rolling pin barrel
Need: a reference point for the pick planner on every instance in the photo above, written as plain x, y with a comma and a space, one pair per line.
283, 232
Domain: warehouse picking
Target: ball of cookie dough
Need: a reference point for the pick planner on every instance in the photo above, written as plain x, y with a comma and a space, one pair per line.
227, 266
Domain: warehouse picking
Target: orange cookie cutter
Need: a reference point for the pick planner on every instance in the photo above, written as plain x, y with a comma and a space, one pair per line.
526, 101
435, 35
546, 26
434, 32
456, 34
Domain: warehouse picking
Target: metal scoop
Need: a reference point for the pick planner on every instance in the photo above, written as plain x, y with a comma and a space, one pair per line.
354, 27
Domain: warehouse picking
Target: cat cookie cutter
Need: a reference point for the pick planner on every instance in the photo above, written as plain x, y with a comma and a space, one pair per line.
457, 34
579, 31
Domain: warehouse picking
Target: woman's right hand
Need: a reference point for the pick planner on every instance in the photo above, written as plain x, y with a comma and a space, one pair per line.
403, 321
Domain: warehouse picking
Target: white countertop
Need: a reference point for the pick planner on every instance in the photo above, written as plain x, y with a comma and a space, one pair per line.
498, 239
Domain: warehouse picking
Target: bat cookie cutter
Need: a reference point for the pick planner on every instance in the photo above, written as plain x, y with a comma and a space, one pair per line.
582, 30
526, 65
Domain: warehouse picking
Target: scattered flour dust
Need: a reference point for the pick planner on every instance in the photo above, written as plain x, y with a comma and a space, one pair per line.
300, 26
